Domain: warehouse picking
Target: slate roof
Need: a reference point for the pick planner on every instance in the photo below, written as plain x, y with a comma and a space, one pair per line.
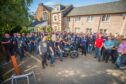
105, 8
64, 9
47, 7
36, 22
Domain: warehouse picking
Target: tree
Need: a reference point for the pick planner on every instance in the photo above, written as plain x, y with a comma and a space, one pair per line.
14, 13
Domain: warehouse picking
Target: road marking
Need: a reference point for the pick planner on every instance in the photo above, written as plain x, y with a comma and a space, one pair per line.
35, 58
22, 63
6, 80
31, 68
12, 69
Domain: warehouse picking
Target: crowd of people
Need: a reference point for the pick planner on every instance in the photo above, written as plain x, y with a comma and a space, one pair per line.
104, 47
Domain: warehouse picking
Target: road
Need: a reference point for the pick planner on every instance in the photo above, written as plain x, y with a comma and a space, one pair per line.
83, 70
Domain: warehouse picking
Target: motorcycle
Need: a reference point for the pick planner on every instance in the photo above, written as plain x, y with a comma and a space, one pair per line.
70, 50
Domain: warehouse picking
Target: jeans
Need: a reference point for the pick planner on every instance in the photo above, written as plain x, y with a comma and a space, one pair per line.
121, 60
21, 52
90, 47
31, 47
84, 50
98, 53
36, 50
60, 54
114, 55
52, 59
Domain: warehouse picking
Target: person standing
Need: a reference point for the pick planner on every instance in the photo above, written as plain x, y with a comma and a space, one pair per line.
59, 48
36, 44
7, 43
83, 44
15, 44
52, 46
31, 42
43, 48
20, 42
98, 45
90, 44
108, 45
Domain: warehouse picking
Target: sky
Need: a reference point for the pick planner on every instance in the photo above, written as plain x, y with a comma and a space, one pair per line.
75, 3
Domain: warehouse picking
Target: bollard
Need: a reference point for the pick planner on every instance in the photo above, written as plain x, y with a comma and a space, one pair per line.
15, 65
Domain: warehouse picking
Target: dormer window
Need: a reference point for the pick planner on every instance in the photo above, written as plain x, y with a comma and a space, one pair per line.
57, 8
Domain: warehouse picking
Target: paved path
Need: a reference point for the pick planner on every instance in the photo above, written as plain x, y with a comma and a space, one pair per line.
83, 70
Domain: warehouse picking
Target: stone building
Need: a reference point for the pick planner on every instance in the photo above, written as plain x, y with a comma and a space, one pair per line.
58, 14
43, 13
106, 17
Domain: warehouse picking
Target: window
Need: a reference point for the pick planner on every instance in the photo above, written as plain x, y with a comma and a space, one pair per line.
45, 16
57, 8
55, 18
77, 18
55, 28
103, 30
67, 29
105, 18
68, 19
90, 18
124, 17
88, 30
77, 30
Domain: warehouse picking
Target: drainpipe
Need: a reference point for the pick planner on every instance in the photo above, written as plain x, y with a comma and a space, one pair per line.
99, 24
73, 29
123, 26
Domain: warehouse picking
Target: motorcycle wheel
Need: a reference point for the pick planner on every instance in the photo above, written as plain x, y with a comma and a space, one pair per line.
74, 55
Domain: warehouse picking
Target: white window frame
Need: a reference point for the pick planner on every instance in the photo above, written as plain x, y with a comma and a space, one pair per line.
90, 18
57, 8
77, 18
103, 30
88, 30
68, 19
77, 30
54, 18
106, 18
55, 28
45, 18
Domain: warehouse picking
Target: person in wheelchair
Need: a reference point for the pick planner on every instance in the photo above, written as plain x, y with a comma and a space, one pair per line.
121, 60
